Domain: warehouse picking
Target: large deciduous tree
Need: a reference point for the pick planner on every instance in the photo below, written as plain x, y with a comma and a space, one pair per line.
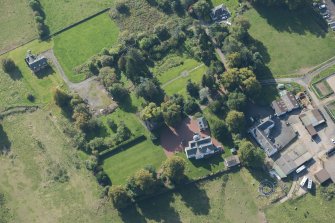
119, 196
235, 121
250, 155
174, 168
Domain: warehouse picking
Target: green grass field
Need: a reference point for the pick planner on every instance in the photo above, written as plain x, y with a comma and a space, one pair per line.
62, 13
309, 208
325, 73
230, 4
178, 86
17, 24
75, 46
124, 164
291, 43
14, 88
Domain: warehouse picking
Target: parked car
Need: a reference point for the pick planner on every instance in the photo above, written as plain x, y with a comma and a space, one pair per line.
303, 181
310, 183
327, 16
333, 141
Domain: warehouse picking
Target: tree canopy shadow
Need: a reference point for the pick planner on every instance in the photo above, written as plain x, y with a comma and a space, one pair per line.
208, 163
5, 143
297, 21
196, 199
159, 209
127, 105
15, 74
131, 215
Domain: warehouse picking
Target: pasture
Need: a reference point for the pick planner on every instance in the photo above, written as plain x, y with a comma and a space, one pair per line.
291, 42
322, 89
75, 46
17, 24
308, 208
16, 86
62, 13
324, 74
331, 109
40, 155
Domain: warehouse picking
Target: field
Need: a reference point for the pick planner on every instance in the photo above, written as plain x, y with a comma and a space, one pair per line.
324, 74
291, 42
14, 87
322, 88
230, 4
75, 46
38, 151
17, 24
309, 208
331, 109
62, 13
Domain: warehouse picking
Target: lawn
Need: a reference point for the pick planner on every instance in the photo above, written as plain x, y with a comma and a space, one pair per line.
38, 149
62, 13
322, 89
17, 24
230, 4
291, 42
15, 87
178, 86
309, 208
75, 46
122, 165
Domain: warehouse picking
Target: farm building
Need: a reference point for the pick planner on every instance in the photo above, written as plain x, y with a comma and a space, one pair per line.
200, 148
322, 176
285, 104
220, 13
272, 134
36, 63
311, 119
232, 161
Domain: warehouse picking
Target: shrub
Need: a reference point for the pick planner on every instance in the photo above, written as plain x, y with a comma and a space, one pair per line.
35, 5
118, 92
30, 97
7, 65
328, 193
121, 7
103, 178
112, 125
191, 106
119, 196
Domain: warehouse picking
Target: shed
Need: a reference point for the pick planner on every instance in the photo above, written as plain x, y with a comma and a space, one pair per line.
232, 161
322, 176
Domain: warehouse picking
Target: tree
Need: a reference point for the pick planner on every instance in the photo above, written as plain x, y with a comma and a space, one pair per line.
62, 99
173, 168
150, 90
250, 155
7, 65
328, 192
119, 196
208, 81
112, 125
218, 107
123, 133
252, 87
152, 113
177, 99
204, 95
145, 181
202, 9
191, 106
236, 101
118, 92
134, 65
81, 115
235, 121
162, 32
171, 113
220, 131
231, 80
192, 89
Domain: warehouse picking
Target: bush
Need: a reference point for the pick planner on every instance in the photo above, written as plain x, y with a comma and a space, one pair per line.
119, 196
31, 97
191, 106
118, 92
103, 178
328, 193
112, 125
35, 5
7, 65
121, 7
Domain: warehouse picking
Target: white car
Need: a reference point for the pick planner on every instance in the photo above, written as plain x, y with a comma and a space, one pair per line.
333, 141
310, 183
303, 181
323, 6
300, 169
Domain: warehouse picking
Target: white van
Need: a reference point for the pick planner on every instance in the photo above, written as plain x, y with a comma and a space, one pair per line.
300, 169
303, 181
310, 183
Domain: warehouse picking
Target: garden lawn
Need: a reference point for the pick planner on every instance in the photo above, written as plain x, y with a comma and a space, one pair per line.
124, 164
172, 67
308, 208
15, 87
75, 46
291, 42
62, 13
17, 24
230, 4
178, 86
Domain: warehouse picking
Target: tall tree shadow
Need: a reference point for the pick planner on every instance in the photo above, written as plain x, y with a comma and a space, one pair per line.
298, 21
5, 143
15, 74
131, 215
159, 209
196, 199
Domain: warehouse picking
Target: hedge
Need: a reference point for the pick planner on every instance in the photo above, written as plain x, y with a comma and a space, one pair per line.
123, 146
